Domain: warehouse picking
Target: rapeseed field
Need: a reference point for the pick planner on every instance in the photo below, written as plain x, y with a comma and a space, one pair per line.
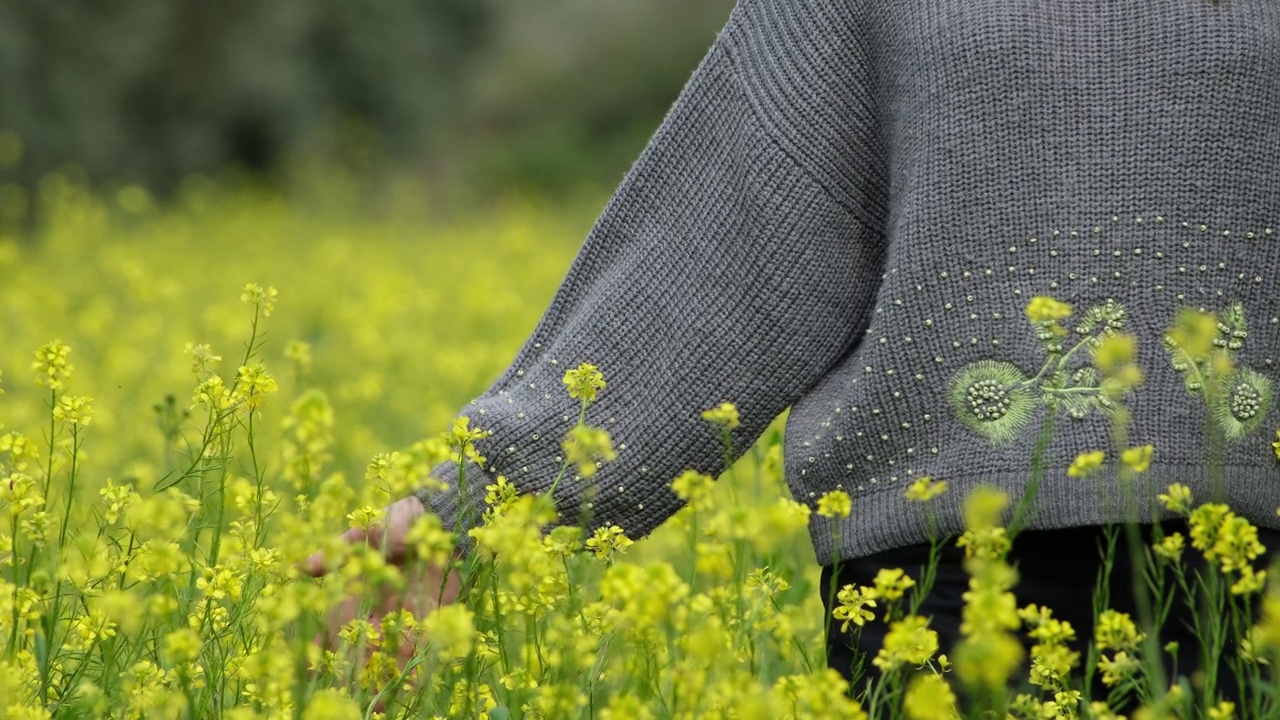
198, 397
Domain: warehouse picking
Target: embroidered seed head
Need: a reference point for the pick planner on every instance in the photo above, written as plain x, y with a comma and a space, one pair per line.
1244, 402
991, 398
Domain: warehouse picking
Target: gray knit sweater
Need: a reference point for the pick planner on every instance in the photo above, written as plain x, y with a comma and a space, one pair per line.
846, 213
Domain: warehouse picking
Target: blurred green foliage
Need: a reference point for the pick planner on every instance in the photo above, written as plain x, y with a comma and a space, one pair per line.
482, 92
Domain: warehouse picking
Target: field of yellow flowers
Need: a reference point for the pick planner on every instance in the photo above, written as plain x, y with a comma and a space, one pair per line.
173, 442
198, 397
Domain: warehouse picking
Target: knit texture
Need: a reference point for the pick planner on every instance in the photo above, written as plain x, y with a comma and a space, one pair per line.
847, 211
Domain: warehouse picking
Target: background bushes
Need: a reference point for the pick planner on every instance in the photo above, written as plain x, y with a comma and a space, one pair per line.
487, 92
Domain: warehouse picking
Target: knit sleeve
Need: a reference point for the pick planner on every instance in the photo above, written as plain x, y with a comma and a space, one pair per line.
736, 262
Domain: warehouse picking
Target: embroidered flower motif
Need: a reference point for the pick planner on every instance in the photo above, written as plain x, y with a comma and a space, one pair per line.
1244, 402
1203, 349
996, 399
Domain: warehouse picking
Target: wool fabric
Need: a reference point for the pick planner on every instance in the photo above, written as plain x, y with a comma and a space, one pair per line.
846, 213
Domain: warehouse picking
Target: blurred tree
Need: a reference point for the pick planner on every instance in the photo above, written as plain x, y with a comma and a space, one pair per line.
570, 90
150, 91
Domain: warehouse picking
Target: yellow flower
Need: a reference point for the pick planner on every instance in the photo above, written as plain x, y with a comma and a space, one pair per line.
220, 582
836, 503
203, 362
51, 366
587, 447
1250, 582
461, 438
1276, 446
1205, 522
1101, 711
331, 704
1067, 700
1194, 332
821, 695
1118, 668
909, 641
182, 646
1177, 498
77, 410
929, 697
606, 542
500, 495
22, 451
584, 382
299, 353
1086, 463
117, 498
1045, 628
265, 300
1043, 308
1236, 544
694, 488
365, 517
645, 595
1224, 710
852, 606
1137, 458
891, 583
253, 384
1114, 351
1170, 547
563, 541
1051, 665
1113, 356
725, 415
450, 630
212, 393
983, 507
1116, 631
925, 489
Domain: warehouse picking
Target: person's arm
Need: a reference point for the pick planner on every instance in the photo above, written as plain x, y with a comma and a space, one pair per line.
737, 261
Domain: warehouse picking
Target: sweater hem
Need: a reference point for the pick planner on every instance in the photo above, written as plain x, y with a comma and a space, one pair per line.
886, 520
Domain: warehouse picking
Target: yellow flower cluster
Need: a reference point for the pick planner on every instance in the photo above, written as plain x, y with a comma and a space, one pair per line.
1229, 541
1086, 463
835, 504
925, 489
724, 415
51, 366
584, 382
1052, 660
1044, 308
587, 448
151, 567
988, 651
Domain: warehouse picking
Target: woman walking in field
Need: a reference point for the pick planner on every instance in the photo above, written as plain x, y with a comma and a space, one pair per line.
848, 213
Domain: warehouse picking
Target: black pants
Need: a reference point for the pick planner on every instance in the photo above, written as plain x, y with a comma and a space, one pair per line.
1057, 569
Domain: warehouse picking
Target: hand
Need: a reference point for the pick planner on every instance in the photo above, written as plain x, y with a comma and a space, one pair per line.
423, 582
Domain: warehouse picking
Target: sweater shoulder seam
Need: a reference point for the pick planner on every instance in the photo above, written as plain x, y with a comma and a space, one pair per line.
756, 119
